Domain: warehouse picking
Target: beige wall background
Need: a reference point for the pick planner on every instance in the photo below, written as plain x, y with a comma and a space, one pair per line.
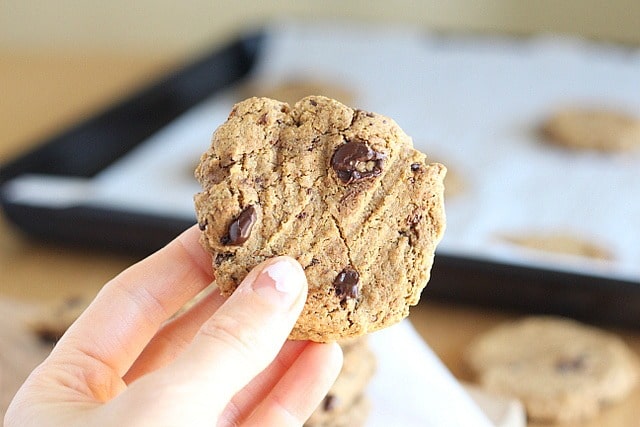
172, 27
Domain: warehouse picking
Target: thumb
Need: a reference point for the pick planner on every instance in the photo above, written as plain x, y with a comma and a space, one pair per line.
241, 339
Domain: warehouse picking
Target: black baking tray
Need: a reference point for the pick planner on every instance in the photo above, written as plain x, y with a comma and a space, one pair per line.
90, 146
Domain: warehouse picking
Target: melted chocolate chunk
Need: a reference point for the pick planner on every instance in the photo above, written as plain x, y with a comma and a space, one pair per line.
415, 167
355, 161
240, 228
346, 284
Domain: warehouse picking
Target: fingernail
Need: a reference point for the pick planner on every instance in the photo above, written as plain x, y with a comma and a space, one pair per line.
282, 275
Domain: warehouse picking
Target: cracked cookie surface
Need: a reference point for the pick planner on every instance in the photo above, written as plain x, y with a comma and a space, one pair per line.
341, 190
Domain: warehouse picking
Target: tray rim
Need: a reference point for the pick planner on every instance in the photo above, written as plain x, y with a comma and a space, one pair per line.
461, 279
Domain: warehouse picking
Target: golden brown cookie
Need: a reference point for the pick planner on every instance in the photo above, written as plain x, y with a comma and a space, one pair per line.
454, 183
560, 243
560, 369
56, 317
341, 190
294, 89
354, 416
359, 365
593, 129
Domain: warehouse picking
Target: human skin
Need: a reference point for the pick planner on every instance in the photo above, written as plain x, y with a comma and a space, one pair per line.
128, 360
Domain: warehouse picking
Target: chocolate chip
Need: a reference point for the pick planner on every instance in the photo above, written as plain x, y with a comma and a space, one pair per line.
415, 167
346, 284
570, 364
202, 225
355, 161
330, 402
313, 102
240, 228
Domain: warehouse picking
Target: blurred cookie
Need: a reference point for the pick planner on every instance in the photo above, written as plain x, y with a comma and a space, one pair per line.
294, 89
354, 416
341, 190
593, 129
357, 370
561, 244
560, 369
55, 318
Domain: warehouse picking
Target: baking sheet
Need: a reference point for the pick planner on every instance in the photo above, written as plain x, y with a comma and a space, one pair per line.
472, 103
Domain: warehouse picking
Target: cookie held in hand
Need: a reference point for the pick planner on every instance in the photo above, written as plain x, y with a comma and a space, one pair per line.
340, 190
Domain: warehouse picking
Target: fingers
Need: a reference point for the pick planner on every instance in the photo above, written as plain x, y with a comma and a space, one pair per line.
301, 389
247, 399
247, 332
241, 339
174, 336
130, 309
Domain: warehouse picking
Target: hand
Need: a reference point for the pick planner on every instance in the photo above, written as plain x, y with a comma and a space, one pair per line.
223, 362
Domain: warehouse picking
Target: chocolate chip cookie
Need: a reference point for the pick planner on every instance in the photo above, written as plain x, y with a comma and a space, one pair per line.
295, 88
560, 369
593, 129
354, 416
559, 243
343, 191
348, 390
54, 318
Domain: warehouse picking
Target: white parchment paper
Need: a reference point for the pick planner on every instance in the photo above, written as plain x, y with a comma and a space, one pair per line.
412, 387
472, 103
